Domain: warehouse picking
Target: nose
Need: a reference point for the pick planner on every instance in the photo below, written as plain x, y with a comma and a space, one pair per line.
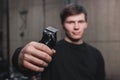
76, 26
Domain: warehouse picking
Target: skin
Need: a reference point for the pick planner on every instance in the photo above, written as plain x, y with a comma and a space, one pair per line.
74, 27
36, 56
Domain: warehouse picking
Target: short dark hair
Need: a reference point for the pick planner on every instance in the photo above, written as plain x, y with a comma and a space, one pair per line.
72, 9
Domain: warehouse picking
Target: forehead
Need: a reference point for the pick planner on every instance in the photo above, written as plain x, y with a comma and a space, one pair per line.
76, 17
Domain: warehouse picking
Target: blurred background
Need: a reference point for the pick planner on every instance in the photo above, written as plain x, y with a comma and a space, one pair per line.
22, 21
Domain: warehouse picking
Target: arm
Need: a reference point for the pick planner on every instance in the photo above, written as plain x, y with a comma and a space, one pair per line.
100, 74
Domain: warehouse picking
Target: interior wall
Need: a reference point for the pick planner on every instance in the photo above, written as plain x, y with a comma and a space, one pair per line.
28, 18
104, 32
27, 22
1, 14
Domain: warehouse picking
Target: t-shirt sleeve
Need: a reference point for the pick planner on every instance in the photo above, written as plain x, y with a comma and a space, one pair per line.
15, 58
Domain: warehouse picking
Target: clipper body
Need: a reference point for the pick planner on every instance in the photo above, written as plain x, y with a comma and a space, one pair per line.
49, 37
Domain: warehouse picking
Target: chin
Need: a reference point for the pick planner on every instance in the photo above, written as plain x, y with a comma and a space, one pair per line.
76, 39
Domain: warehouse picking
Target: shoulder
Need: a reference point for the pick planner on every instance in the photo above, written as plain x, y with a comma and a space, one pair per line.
91, 48
94, 51
60, 43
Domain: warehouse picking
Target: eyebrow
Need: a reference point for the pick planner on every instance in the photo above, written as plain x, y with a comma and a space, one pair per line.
70, 21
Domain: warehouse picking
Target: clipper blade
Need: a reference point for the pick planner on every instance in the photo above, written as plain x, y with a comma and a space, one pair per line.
50, 28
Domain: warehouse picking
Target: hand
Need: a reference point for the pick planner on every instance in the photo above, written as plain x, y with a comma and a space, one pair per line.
35, 56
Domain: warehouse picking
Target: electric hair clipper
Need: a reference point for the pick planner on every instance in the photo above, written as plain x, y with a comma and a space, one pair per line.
49, 37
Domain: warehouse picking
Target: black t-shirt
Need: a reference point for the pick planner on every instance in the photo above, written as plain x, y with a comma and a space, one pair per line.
71, 62
75, 62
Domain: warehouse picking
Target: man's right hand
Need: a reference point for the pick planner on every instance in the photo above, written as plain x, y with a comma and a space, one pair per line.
35, 56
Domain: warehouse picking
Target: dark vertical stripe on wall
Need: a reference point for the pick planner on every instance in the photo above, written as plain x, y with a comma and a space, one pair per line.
1, 14
44, 13
71, 1
8, 39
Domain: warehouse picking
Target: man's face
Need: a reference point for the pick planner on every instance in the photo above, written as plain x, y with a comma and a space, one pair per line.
75, 26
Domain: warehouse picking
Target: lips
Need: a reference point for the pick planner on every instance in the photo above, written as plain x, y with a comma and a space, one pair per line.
76, 33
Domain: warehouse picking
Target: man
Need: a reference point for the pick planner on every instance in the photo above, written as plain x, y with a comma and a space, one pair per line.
71, 58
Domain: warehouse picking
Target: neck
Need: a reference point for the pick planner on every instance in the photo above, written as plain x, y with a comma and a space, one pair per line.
80, 41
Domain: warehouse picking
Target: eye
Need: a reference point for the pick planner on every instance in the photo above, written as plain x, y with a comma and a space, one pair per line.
81, 21
70, 22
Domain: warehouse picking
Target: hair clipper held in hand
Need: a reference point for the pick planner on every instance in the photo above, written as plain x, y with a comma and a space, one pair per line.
49, 36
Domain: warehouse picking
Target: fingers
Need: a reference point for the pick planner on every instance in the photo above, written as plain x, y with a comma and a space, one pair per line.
46, 56
41, 55
42, 47
35, 56
33, 67
35, 61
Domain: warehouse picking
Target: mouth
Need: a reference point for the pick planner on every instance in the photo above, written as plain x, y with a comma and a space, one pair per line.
76, 33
